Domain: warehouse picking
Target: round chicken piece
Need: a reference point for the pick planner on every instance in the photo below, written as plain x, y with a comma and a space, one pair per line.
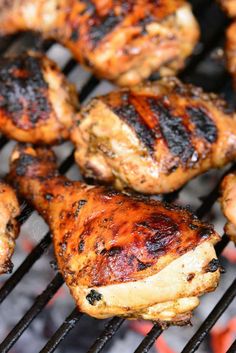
37, 103
155, 137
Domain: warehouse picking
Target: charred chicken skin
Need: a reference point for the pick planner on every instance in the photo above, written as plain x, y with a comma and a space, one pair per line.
119, 255
155, 137
123, 41
9, 229
228, 204
37, 104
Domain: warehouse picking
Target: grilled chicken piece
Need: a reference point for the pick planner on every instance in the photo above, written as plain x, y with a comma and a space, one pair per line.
37, 104
9, 229
118, 40
154, 138
231, 50
119, 255
229, 6
228, 204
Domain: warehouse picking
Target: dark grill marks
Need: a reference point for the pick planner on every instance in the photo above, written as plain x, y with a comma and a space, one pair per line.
173, 131
101, 26
127, 112
204, 125
23, 90
23, 162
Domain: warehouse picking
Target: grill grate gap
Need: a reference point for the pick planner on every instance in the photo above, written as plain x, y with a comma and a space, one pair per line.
209, 322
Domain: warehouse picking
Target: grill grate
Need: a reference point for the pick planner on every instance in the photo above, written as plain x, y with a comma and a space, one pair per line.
213, 23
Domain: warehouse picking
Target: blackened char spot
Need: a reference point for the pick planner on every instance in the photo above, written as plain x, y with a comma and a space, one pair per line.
142, 266
173, 131
129, 114
102, 26
75, 35
213, 266
204, 125
163, 231
81, 246
93, 297
79, 205
144, 22
23, 89
115, 250
205, 232
49, 197
23, 162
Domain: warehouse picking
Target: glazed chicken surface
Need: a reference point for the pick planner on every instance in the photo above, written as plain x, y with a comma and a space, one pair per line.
9, 229
228, 204
37, 104
155, 137
119, 255
123, 41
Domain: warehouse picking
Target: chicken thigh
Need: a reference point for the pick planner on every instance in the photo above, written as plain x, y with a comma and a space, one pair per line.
123, 41
37, 104
119, 255
155, 137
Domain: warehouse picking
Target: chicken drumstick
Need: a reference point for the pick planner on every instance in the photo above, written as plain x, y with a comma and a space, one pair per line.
119, 255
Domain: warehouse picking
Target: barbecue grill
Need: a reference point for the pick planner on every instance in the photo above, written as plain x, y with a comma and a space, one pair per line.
204, 68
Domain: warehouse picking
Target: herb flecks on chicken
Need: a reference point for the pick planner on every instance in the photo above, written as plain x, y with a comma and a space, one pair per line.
119, 255
155, 137
123, 41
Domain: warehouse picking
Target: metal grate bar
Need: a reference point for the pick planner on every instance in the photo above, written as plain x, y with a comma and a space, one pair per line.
36, 253
232, 349
110, 330
115, 323
12, 282
222, 244
35, 309
212, 197
150, 339
145, 345
63, 330
204, 329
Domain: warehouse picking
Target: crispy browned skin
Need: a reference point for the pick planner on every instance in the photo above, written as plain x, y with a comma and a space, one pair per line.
117, 40
108, 243
9, 229
228, 204
37, 104
155, 137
